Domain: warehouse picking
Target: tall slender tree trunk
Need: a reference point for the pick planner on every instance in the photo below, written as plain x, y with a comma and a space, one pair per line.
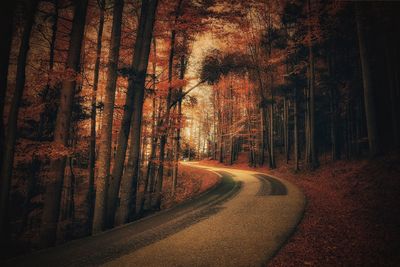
230, 118
90, 198
335, 154
220, 125
52, 198
6, 20
105, 185
313, 163
262, 117
11, 133
136, 88
369, 99
295, 131
271, 138
149, 181
286, 127
272, 163
163, 140
262, 136
178, 130
164, 133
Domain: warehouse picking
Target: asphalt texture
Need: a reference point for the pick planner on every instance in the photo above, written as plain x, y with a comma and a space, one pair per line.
242, 221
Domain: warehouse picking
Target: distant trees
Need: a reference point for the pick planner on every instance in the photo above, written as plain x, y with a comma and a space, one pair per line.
311, 66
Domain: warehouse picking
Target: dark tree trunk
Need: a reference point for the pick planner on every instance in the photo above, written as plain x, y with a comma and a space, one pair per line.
149, 181
105, 186
52, 198
90, 198
313, 158
286, 128
369, 99
178, 130
111, 183
11, 133
133, 114
164, 134
295, 131
6, 20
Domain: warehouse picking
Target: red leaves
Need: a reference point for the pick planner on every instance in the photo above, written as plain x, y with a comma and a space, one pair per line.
191, 182
29, 150
341, 225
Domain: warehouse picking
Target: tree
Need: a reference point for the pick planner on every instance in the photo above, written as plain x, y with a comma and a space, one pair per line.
51, 209
6, 16
104, 160
93, 114
11, 134
370, 110
133, 113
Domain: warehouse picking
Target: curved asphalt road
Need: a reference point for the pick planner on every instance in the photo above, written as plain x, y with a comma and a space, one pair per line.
243, 221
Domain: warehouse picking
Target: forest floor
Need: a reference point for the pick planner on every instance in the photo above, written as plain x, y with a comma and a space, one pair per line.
352, 216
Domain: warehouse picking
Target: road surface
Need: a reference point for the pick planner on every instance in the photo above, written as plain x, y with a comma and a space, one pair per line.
243, 221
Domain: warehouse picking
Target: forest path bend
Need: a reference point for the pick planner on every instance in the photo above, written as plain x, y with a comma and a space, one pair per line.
246, 230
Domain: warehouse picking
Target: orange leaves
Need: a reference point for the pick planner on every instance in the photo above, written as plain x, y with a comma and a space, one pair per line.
28, 150
175, 84
58, 76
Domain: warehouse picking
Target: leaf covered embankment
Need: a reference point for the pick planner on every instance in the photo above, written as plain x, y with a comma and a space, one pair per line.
191, 183
352, 215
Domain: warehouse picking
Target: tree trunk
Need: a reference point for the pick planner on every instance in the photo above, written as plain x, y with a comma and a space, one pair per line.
90, 198
178, 130
262, 136
52, 198
6, 20
164, 134
272, 164
313, 158
105, 185
333, 110
286, 128
295, 131
136, 87
11, 133
149, 182
369, 100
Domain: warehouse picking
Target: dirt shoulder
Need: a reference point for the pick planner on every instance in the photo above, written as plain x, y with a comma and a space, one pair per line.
352, 216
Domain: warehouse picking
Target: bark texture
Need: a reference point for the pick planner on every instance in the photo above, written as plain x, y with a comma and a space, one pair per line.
104, 185
11, 133
52, 198
133, 114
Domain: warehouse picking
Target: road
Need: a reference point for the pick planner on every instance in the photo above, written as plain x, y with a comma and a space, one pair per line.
243, 221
